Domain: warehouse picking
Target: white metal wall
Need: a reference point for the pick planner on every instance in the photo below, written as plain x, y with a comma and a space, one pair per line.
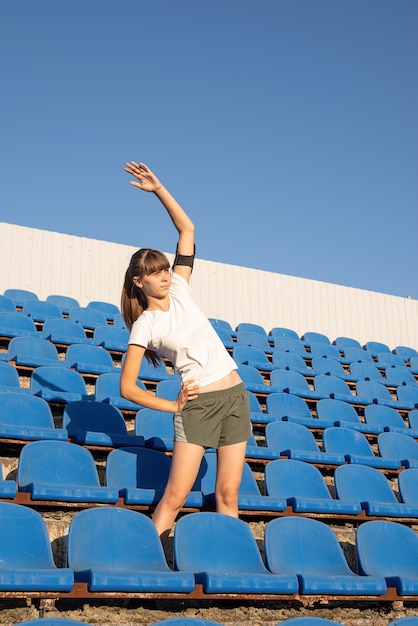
87, 269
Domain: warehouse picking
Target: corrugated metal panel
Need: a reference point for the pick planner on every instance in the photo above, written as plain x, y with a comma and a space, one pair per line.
87, 269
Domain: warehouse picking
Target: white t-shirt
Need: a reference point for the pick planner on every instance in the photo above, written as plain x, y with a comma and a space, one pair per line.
184, 336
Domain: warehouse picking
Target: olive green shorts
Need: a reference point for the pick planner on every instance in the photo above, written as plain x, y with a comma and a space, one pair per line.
215, 419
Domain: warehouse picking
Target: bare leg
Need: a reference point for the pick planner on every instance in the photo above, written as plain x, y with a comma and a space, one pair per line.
228, 479
185, 466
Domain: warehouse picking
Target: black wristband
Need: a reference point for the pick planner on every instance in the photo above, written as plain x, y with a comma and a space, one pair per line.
186, 260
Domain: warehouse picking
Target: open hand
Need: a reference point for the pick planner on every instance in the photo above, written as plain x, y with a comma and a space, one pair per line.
188, 391
145, 179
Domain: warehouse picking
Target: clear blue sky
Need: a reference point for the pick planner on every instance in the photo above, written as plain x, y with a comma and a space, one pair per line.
287, 128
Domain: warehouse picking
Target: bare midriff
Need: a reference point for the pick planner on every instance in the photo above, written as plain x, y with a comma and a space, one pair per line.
230, 380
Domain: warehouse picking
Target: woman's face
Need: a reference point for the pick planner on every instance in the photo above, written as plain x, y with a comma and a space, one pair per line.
156, 285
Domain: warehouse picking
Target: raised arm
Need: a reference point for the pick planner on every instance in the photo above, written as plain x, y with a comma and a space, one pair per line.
147, 181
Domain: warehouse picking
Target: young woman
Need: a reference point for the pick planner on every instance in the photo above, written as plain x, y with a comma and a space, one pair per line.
212, 407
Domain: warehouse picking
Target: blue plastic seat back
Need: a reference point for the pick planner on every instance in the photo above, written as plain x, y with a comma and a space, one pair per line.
250, 327
388, 359
380, 415
286, 478
321, 349
20, 296
346, 342
119, 321
7, 304
396, 376
408, 485
289, 361
13, 323
9, 376
137, 467
413, 419
291, 344
215, 542
28, 544
63, 331
388, 549
250, 375
49, 378
242, 353
289, 380
353, 354
156, 373
87, 317
114, 539
408, 394
88, 355
31, 347
362, 484
108, 388
168, 389
375, 347
81, 416
111, 337
332, 411
225, 336
311, 337
331, 385
39, 310
397, 446
64, 303
216, 323
56, 463
405, 352
108, 308
325, 365
257, 340
346, 441
288, 435
373, 391
366, 371
303, 546
279, 331
285, 405
156, 427
21, 409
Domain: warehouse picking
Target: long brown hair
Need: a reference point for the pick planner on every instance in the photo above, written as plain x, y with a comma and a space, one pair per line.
133, 300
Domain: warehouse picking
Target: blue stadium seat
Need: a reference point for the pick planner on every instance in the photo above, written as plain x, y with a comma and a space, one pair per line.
405, 352
90, 360
304, 488
340, 413
257, 415
58, 385
375, 347
119, 321
250, 498
64, 303
168, 389
63, 332
250, 355
295, 441
366, 371
20, 296
408, 486
287, 381
398, 446
112, 338
250, 327
115, 549
355, 448
308, 548
61, 471
108, 308
141, 475
108, 390
224, 556
413, 365
256, 340
156, 427
413, 419
153, 374
291, 344
331, 367
253, 380
287, 407
222, 324
26, 557
7, 304
346, 342
368, 487
389, 359
279, 331
97, 424
292, 361
388, 419
325, 350
26, 417
87, 317
353, 354
407, 396
396, 376
226, 337
338, 389
378, 393
32, 352
39, 310
390, 550
312, 337
9, 379
14, 324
